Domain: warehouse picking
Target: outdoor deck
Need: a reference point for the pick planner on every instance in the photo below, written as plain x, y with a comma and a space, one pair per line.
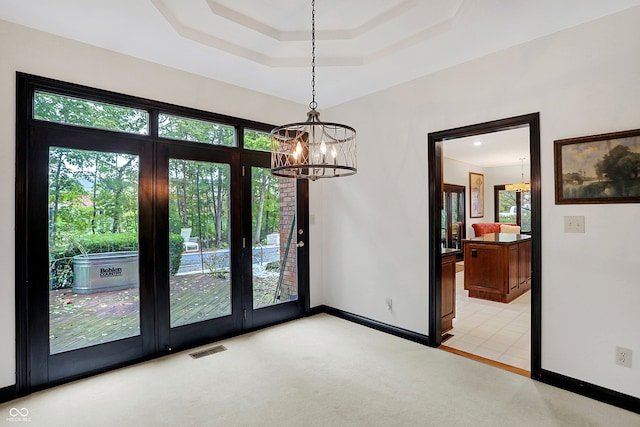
82, 320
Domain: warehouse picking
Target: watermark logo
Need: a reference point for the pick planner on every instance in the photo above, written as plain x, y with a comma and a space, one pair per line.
19, 415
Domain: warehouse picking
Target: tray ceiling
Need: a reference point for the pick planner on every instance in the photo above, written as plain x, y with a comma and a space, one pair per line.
363, 46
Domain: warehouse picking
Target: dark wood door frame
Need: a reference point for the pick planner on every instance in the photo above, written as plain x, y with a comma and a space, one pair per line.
435, 162
154, 153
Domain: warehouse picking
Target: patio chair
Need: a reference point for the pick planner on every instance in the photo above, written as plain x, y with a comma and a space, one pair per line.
189, 243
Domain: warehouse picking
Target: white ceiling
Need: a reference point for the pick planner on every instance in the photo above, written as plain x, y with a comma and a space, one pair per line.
504, 148
363, 46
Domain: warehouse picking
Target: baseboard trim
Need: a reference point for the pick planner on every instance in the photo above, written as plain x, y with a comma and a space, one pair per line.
592, 391
374, 324
8, 393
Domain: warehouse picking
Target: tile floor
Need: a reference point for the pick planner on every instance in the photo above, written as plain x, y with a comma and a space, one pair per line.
493, 330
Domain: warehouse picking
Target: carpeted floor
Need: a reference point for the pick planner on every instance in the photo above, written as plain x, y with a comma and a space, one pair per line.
317, 371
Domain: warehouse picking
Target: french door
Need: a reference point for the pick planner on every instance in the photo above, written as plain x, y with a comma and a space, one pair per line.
275, 266
140, 245
88, 308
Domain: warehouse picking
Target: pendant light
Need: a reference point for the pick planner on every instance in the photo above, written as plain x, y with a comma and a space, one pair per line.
522, 186
313, 149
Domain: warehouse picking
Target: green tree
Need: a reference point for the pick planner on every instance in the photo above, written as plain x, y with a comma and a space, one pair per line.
66, 194
619, 164
64, 109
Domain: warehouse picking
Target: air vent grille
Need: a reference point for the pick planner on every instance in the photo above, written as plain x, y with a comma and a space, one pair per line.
207, 352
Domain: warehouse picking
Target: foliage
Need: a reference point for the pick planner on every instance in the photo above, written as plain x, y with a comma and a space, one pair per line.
273, 266
176, 243
91, 191
619, 164
74, 111
186, 129
199, 198
217, 266
99, 243
508, 201
265, 202
257, 140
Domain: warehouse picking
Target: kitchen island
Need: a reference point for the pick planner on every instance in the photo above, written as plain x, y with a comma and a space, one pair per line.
497, 266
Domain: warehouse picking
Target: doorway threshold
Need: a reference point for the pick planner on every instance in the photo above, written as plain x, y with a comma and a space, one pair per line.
486, 361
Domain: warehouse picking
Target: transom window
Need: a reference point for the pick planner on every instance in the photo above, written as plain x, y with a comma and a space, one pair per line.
81, 112
186, 129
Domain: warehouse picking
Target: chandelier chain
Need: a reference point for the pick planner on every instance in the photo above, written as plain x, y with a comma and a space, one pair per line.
313, 149
313, 105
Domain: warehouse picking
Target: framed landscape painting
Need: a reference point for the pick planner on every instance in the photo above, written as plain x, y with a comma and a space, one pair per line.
476, 194
598, 169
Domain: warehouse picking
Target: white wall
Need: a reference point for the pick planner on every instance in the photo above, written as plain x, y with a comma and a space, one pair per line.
29, 51
583, 81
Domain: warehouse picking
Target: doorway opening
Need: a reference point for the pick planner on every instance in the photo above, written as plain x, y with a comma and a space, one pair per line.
443, 277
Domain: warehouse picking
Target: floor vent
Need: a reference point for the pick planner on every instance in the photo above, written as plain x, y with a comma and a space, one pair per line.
208, 351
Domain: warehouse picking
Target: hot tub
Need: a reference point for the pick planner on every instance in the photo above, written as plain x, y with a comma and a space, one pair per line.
102, 272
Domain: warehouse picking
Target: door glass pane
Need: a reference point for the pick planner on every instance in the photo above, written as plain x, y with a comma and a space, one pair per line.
274, 237
455, 208
444, 225
525, 206
256, 140
199, 226
93, 248
507, 206
453, 224
457, 219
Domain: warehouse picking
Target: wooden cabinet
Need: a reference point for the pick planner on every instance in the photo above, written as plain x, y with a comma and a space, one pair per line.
448, 288
497, 266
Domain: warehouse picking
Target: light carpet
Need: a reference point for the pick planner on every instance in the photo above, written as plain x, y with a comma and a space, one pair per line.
316, 371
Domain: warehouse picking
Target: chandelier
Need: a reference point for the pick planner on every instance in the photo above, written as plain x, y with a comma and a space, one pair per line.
313, 149
522, 186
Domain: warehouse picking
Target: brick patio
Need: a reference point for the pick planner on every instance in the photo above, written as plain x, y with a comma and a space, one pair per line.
83, 320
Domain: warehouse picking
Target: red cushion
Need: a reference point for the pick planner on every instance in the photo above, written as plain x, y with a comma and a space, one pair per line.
486, 228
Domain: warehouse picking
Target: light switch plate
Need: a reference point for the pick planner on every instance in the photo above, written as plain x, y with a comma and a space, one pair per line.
574, 224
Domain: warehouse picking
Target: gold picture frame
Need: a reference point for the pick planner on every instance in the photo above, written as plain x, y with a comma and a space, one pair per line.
476, 195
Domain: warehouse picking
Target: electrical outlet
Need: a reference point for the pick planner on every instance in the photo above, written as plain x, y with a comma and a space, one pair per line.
623, 357
389, 304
